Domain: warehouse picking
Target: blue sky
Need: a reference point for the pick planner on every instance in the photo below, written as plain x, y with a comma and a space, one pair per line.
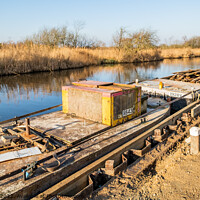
170, 18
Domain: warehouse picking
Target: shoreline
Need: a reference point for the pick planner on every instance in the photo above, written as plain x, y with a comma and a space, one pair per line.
36, 59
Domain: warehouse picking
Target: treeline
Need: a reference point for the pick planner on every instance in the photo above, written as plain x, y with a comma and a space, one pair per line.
193, 42
148, 39
122, 39
61, 48
64, 37
143, 39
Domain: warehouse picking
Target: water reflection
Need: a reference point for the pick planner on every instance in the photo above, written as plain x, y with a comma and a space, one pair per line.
26, 93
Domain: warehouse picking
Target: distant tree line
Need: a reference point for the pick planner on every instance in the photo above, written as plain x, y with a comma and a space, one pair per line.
143, 39
61, 36
193, 42
146, 39
122, 39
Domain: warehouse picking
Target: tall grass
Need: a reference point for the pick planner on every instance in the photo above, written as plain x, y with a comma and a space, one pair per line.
21, 58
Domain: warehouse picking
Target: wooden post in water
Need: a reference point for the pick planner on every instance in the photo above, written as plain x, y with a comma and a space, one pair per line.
27, 121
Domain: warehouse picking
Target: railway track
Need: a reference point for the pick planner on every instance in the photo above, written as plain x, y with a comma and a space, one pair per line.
82, 153
71, 171
134, 157
74, 157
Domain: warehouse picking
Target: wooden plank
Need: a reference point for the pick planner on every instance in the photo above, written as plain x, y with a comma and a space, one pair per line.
19, 154
194, 80
191, 76
182, 72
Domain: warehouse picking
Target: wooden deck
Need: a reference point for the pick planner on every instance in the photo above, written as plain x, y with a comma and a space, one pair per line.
67, 128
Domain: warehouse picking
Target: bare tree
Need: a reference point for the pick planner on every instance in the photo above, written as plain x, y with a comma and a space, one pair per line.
52, 36
61, 36
144, 39
78, 26
119, 36
193, 42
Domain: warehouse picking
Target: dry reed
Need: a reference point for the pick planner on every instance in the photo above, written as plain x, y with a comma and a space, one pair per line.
20, 58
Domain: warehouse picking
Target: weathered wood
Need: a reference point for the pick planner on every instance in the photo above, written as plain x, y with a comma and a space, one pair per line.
191, 76
48, 180
27, 122
7, 138
30, 138
196, 79
195, 111
138, 142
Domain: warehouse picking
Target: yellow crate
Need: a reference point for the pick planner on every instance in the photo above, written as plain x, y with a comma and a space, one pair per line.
107, 103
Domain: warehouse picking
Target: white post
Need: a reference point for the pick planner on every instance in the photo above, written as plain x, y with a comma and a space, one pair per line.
194, 135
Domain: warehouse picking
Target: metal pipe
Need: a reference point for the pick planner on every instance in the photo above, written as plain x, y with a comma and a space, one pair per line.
29, 114
27, 122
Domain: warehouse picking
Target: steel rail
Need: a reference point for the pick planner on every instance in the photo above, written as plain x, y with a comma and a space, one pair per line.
87, 138
29, 114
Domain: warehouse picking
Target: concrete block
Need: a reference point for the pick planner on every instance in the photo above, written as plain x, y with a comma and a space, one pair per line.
195, 111
195, 143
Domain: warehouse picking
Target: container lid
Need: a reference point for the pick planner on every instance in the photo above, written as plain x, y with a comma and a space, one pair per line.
91, 83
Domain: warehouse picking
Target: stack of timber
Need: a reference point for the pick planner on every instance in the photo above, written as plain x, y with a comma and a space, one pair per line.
192, 76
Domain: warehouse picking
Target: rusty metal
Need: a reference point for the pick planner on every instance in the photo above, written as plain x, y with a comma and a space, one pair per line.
139, 142
29, 114
36, 140
144, 162
29, 171
27, 122
73, 180
51, 168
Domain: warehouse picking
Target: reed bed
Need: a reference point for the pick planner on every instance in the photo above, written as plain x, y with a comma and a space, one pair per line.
22, 58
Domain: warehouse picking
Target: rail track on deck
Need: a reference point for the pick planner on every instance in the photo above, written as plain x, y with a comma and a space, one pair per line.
134, 156
77, 163
77, 143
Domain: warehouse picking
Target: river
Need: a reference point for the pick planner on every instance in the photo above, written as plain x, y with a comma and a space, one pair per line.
22, 94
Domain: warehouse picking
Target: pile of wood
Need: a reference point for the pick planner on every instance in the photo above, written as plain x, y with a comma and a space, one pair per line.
192, 76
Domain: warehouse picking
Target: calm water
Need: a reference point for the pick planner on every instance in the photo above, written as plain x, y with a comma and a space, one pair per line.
27, 93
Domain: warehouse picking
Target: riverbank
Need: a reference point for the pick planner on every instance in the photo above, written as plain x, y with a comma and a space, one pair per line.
18, 59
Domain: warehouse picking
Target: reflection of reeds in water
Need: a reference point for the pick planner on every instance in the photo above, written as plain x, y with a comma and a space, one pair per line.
23, 85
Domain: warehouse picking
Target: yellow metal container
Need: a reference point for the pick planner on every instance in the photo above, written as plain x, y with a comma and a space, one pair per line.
107, 103
160, 85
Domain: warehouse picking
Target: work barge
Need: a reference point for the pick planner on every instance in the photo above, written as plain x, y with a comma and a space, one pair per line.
103, 129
